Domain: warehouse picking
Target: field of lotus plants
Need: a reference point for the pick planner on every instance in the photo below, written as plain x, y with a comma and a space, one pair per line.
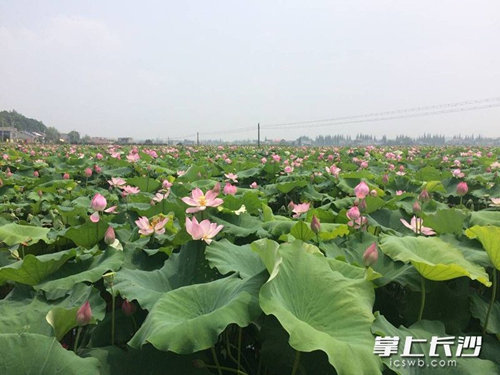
251, 261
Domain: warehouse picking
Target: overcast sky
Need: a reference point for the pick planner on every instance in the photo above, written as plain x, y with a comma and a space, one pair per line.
158, 69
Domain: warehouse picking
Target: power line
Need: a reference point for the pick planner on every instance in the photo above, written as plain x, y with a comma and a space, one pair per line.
386, 113
420, 114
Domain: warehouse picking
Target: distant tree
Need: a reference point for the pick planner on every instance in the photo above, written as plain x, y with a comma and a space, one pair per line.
148, 142
74, 137
86, 139
52, 135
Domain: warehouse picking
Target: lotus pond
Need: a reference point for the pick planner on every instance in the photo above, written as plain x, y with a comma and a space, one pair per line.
250, 261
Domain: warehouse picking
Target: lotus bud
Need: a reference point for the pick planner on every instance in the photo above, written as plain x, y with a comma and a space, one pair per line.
199, 363
66, 176
385, 178
36, 174
98, 203
109, 236
373, 193
84, 314
361, 190
362, 205
424, 196
353, 213
88, 172
40, 193
370, 255
315, 224
416, 207
462, 188
216, 188
128, 308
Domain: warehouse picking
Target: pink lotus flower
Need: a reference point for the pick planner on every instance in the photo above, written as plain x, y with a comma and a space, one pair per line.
204, 231
200, 201
98, 156
417, 225
399, 192
130, 190
88, 172
133, 157
370, 256
361, 190
157, 225
84, 314
457, 173
263, 160
166, 184
230, 189
288, 169
117, 182
254, 185
495, 202
462, 188
98, 202
66, 176
161, 196
333, 170
233, 177
300, 209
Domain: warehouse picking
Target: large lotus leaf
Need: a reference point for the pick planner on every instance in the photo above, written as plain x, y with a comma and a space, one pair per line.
31, 353
239, 225
489, 236
425, 329
446, 221
187, 267
88, 234
479, 310
301, 231
321, 309
90, 269
228, 257
485, 218
33, 269
147, 361
24, 310
144, 183
190, 319
12, 234
434, 258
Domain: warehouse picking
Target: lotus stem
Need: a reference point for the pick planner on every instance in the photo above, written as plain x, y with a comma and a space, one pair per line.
113, 302
296, 363
492, 300
422, 300
239, 346
216, 361
78, 332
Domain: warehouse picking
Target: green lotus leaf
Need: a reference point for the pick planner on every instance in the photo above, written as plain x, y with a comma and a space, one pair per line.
479, 310
434, 258
446, 221
46, 357
33, 269
23, 310
90, 269
321, 309
301, 231
489, 236
147, 286
12, 234
190, 319
227, 257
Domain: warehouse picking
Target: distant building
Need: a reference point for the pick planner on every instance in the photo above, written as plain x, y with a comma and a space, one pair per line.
100, 141
11, 134
125, 140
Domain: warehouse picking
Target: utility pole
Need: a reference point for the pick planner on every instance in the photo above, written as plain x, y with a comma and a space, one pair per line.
197, 138
258, 135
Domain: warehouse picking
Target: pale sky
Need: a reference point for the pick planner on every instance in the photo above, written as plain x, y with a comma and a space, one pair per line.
158, 69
